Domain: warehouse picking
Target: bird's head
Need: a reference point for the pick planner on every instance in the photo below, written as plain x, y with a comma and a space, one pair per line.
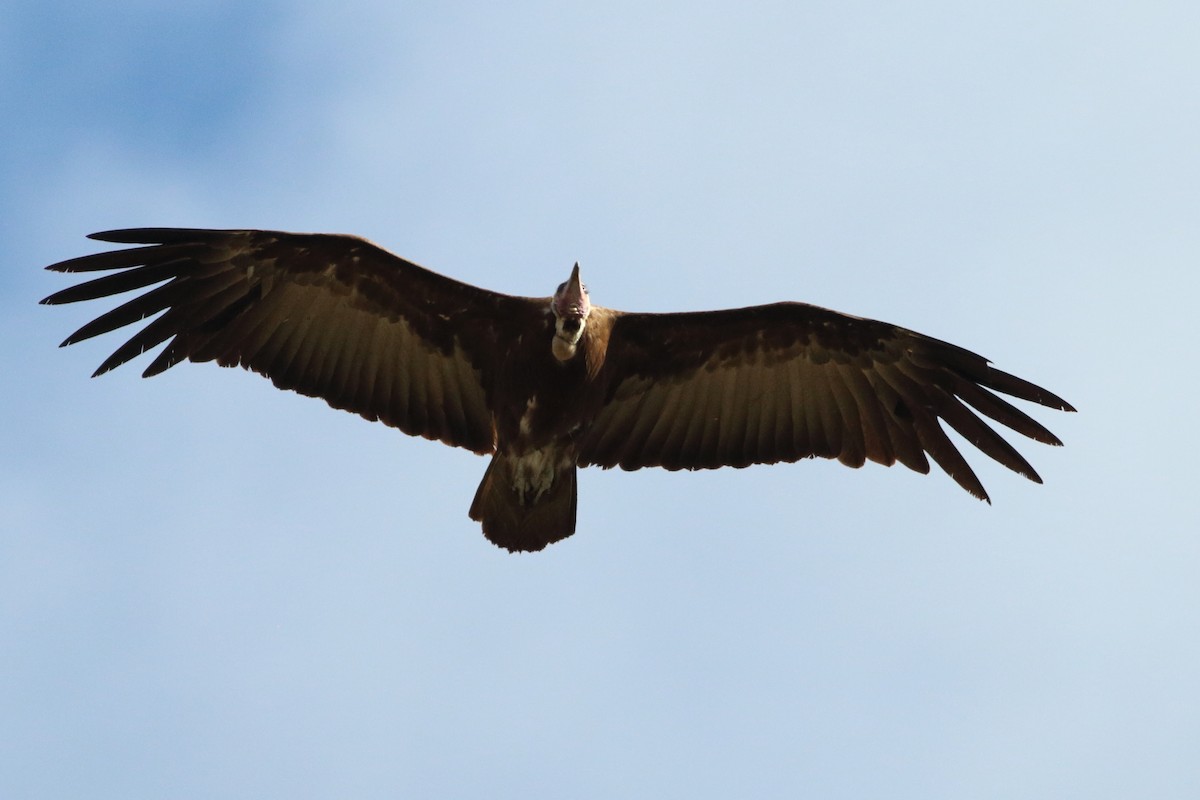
571, 308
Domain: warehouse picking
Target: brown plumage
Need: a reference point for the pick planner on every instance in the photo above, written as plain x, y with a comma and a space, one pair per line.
547, 385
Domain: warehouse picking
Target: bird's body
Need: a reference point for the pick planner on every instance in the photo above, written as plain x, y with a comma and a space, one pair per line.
541, 404
546, 385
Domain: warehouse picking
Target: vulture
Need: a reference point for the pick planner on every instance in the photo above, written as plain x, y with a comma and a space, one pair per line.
545, 385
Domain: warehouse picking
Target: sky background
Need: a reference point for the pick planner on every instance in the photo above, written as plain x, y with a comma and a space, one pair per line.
210, 588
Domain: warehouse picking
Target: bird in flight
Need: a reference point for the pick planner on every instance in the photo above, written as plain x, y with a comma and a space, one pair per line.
547, 385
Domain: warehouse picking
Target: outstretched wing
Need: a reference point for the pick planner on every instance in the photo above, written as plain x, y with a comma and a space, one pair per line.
329, 316
789, 381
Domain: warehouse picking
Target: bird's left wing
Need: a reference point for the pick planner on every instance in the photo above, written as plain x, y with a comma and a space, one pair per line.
788, 381
328, 316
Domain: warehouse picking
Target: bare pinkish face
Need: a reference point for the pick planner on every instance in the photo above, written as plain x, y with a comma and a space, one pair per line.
571, 308
571, 300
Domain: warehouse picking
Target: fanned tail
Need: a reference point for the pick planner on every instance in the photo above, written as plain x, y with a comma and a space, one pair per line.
524, 521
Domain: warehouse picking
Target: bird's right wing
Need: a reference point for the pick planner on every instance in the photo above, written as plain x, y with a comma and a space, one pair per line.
328, 316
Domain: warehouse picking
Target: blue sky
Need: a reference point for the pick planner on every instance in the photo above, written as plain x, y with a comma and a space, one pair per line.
209, 588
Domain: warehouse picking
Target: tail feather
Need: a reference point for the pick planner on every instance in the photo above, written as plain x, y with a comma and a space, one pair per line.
520, 522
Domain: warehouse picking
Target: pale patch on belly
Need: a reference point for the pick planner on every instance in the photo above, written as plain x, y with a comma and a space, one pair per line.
534, 472
526, 424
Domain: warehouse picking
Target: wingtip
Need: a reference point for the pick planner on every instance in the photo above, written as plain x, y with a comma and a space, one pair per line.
981, 495
1051, 400
120, 236
137, 235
